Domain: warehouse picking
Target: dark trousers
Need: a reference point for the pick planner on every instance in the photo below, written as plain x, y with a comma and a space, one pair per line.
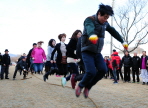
127, 74
63, 69
79, 77
47, 66
74, 68
107, 73
15, 72
115, 74
31, 65
119, 72
111, 73
52, 68
95, 69
135, 72
5, 69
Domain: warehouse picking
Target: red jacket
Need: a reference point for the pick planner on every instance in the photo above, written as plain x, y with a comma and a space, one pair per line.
106, 61
110, 65
115, 60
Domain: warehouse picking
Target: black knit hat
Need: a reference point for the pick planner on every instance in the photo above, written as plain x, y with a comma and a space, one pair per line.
34, 44
114, 50
6, 50
23, 57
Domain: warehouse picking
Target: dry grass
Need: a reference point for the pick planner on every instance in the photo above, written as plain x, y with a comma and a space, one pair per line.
34, 93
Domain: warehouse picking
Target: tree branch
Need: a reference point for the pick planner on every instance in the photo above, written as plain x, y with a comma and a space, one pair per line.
139, 43
138, 33
140, 19
117, 48
120, 26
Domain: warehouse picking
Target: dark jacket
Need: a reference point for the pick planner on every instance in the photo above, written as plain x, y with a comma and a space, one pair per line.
146, 61
136, 62
71, 48
127, 61
59, 54
0, 59
120, 65
20, 59
6, 59
29, 55
78, 49
21, 65
92, 26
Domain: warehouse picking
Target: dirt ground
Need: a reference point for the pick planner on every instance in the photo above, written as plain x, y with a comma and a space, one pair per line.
35, 93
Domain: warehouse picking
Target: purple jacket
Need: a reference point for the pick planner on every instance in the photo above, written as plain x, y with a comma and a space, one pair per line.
146, 58
38, 54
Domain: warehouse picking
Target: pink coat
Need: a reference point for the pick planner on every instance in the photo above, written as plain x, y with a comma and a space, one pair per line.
38, 54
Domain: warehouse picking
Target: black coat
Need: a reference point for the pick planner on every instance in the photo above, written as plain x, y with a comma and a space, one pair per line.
78, 50
135, 62
127, 61
29, 55
20, 59
0, 59
71, 47
120, 65
59, 54
21, 65
145, 61
6, 59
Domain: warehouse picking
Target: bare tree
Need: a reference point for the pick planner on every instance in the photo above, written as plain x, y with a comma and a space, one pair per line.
132, 22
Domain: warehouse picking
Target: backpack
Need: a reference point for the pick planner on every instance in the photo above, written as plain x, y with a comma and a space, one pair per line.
114, 63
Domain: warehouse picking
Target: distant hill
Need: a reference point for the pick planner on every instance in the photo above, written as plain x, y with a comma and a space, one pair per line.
13, 55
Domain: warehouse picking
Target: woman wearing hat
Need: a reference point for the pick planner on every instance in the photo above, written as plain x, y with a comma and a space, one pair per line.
38, 56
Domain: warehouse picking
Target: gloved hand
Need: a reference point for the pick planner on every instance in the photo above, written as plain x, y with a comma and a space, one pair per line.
93, 39
24, 69
125, 45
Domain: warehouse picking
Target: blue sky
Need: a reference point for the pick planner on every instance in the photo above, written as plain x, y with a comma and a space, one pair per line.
23, 22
